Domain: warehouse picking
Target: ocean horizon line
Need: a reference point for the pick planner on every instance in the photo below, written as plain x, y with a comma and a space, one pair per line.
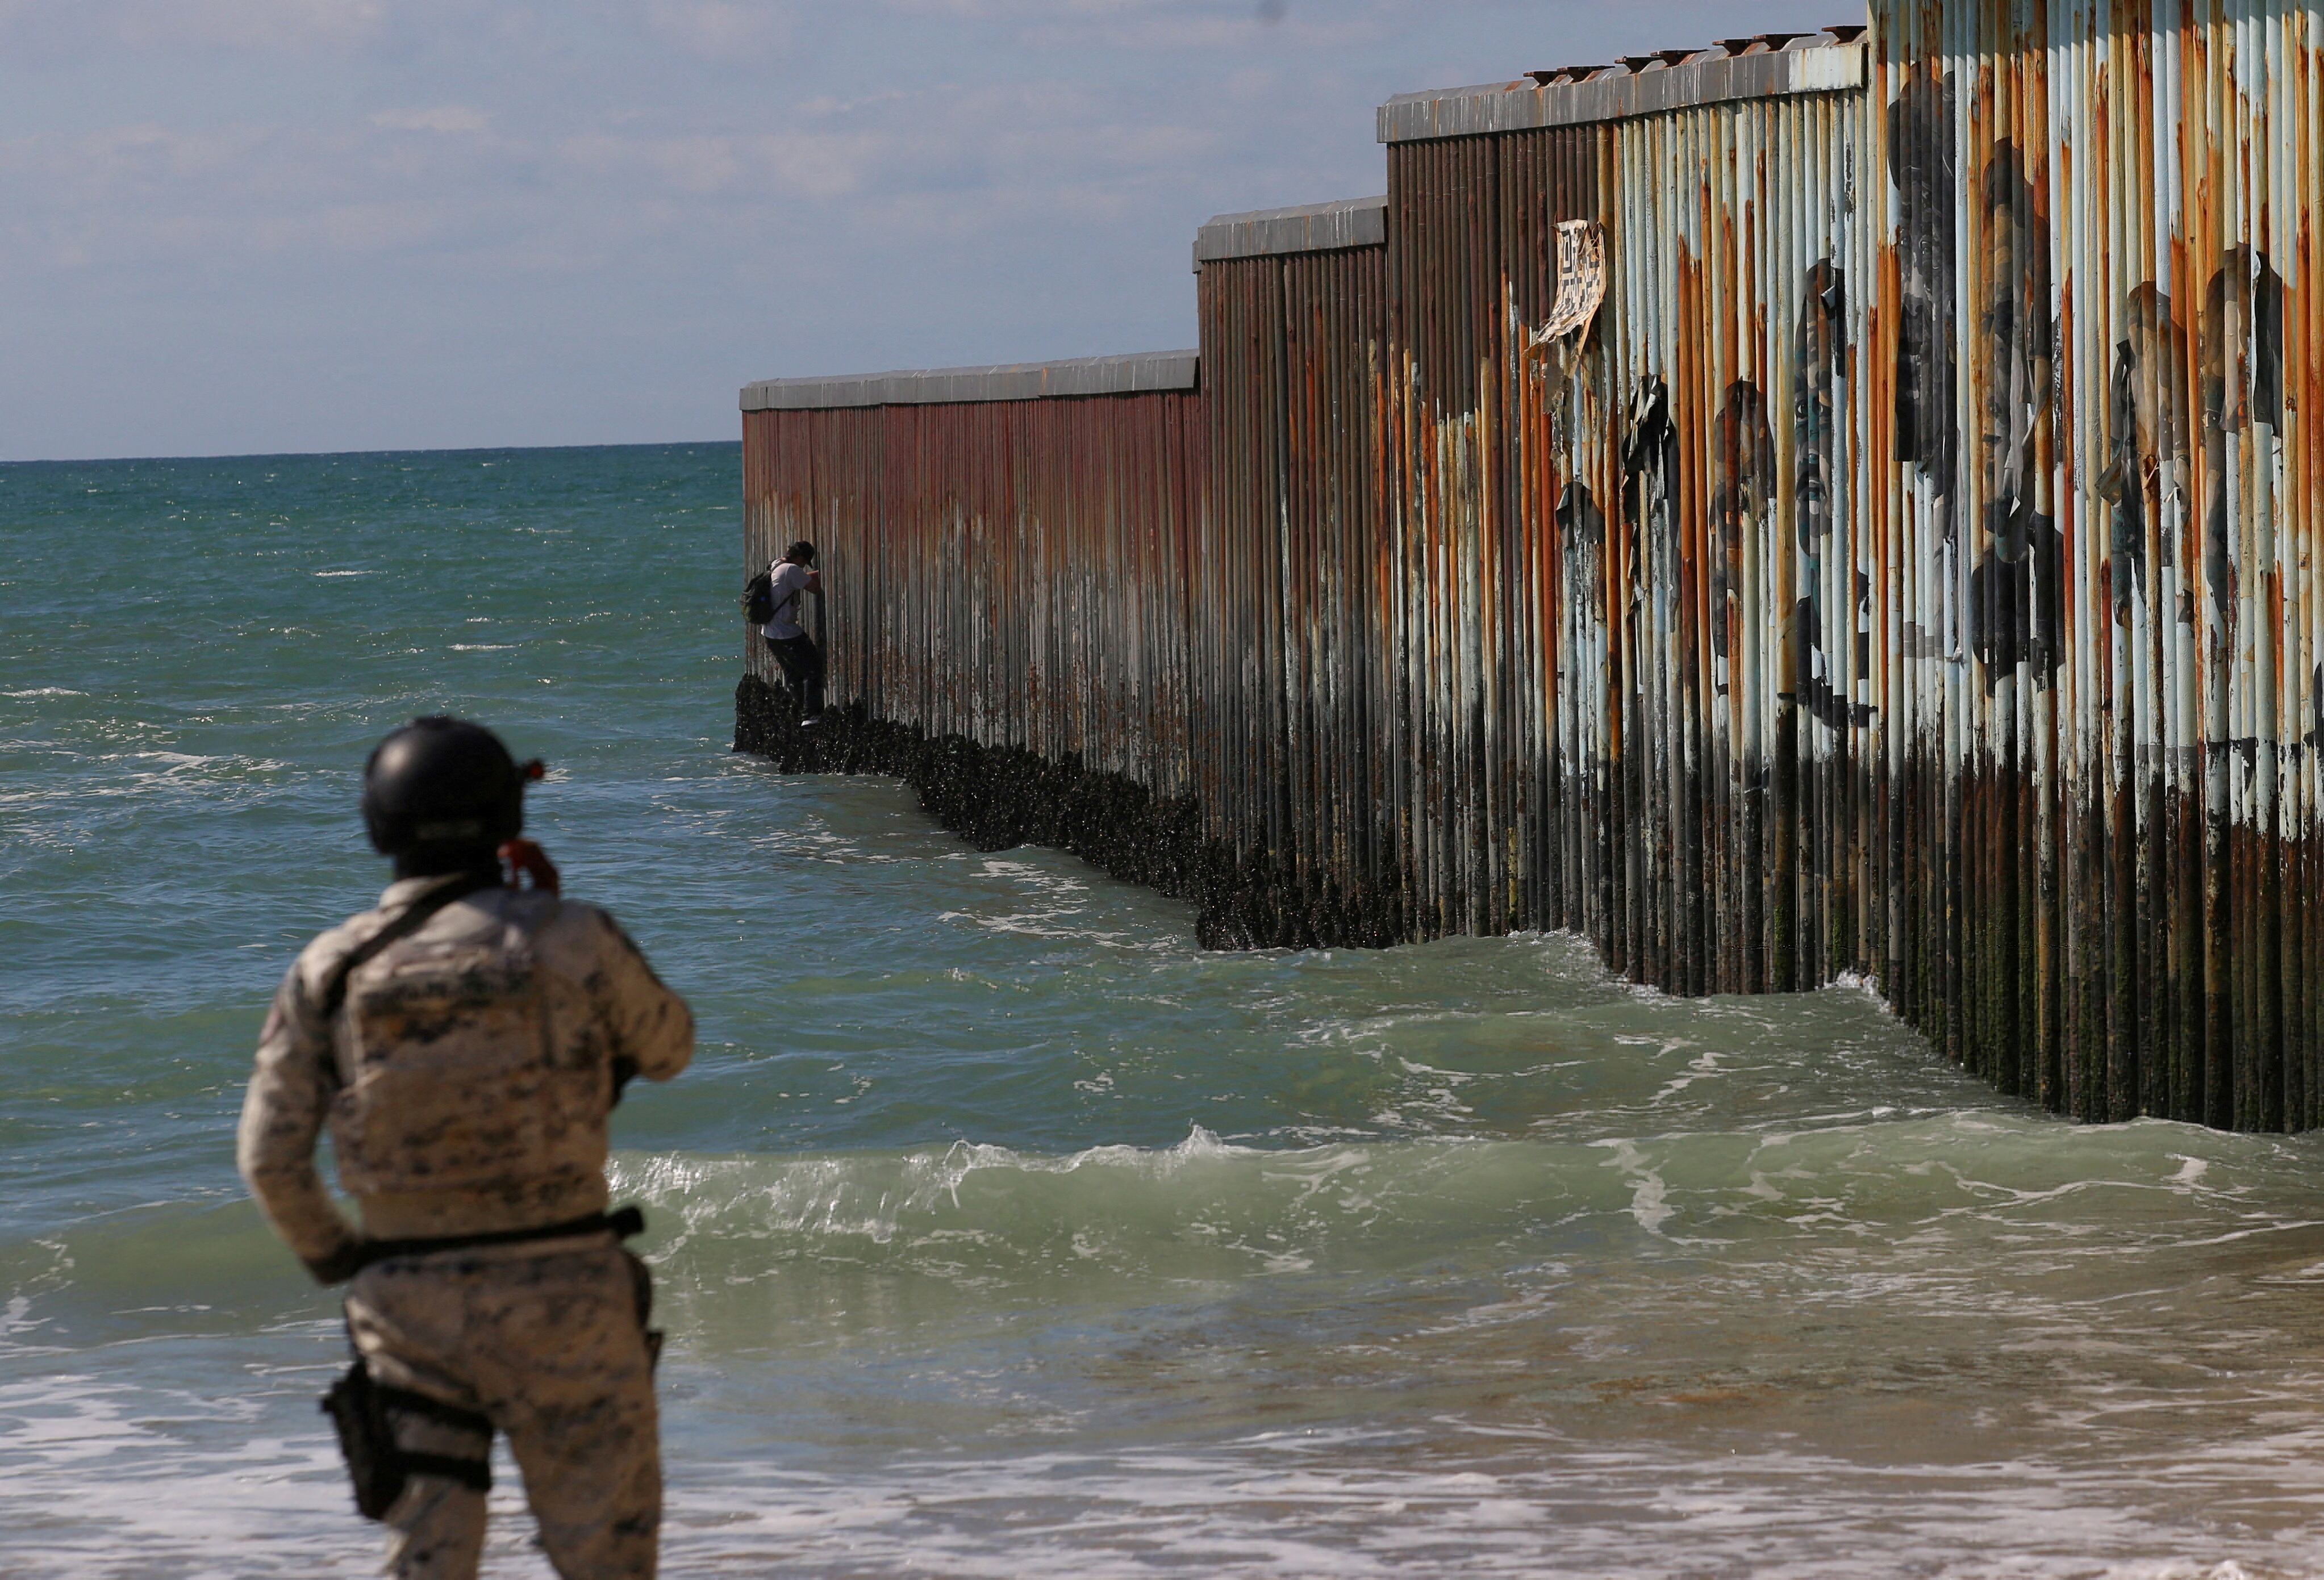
735, 442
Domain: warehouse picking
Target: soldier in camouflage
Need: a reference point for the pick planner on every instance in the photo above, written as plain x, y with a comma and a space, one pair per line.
465, 1042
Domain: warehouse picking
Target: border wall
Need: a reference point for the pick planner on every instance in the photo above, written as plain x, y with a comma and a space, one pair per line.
1813, 506
1006, 548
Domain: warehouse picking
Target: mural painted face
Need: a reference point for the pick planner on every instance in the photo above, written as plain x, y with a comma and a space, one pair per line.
1742, 495
1582, 534
2146, 466
1921, 164
2241, 403
1819, 347
2014, 619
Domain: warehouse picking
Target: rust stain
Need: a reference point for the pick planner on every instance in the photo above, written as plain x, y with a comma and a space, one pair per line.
1910, 572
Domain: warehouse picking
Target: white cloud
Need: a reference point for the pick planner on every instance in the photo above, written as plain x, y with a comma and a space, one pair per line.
713, 190
445, 118
140, 159
817, 165
270, 24
715, 29
1175, 26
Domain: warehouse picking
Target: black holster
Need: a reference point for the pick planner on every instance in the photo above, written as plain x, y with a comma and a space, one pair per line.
364, 1414
364, 1410
642, 1291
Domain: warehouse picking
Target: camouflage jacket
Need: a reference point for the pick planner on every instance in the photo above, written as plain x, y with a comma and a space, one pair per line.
468, 1075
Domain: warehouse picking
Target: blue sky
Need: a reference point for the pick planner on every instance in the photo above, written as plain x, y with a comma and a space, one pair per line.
240, 226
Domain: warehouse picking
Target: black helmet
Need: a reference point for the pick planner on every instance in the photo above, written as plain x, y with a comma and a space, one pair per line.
441, 785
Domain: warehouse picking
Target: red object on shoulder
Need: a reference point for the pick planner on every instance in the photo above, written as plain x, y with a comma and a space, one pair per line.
523, 858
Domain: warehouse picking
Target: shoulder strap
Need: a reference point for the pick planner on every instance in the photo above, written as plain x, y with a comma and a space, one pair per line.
335, 989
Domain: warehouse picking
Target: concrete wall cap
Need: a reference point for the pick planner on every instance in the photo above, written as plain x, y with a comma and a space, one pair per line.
1833, 61
1312, 227
1145, 373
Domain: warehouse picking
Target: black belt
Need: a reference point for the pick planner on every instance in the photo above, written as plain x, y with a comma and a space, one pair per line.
624, 1224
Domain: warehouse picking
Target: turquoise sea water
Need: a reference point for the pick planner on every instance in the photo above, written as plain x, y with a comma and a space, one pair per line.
1000, 1231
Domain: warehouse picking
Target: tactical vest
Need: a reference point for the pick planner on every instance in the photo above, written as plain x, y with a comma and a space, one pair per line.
471, 1075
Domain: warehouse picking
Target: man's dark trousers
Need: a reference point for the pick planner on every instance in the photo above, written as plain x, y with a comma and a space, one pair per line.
802, 663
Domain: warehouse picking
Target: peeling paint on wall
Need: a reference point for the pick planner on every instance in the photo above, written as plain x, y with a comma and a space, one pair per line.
1905, 571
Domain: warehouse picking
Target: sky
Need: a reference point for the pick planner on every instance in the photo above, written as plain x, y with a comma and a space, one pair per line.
253, 226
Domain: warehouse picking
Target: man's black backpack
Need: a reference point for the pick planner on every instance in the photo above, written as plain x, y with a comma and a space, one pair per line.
759, 598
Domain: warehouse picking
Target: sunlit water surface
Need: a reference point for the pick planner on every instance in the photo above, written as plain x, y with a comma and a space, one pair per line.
1001, 1232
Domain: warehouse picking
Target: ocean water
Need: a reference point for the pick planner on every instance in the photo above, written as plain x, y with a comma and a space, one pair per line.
1000, 1230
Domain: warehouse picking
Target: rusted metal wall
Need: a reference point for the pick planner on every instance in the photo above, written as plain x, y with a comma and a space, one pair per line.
1931, 597
1907, 573
1637, 573
1010, 570
1489, 794
1294, 664
1715, 414
2104, 343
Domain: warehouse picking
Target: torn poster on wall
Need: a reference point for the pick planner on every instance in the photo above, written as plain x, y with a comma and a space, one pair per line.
1581, 280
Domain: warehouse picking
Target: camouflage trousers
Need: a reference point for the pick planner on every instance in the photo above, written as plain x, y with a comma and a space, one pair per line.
546, 1341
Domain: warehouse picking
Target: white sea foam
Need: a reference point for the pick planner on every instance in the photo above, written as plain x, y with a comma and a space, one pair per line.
100, 1482
1335, 1504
